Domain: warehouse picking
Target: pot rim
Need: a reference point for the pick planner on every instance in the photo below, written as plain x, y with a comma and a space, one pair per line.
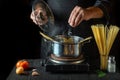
67, 43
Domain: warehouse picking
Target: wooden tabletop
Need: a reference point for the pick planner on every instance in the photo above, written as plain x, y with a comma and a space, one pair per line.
43, 75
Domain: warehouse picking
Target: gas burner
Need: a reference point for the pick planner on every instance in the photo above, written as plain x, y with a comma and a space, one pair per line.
66, 60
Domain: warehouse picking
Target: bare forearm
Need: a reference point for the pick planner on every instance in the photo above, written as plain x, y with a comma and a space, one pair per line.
93, 12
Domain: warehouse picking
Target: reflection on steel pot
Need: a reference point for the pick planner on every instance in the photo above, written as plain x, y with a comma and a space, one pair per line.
68, 46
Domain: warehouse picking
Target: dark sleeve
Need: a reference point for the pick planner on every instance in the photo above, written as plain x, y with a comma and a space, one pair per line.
105, 6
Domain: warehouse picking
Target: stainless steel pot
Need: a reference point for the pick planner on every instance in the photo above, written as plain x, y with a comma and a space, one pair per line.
68, 46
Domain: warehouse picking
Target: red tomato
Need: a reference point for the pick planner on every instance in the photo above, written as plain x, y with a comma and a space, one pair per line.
19, 63
22, 63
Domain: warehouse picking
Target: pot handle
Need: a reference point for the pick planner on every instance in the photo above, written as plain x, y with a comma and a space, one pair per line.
86, 40
47, 37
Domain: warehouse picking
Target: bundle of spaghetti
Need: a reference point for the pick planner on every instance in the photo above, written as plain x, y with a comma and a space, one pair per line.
111, 35
99, 33
104, 38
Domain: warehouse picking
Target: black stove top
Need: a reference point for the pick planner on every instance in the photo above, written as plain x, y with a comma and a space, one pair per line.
77, 66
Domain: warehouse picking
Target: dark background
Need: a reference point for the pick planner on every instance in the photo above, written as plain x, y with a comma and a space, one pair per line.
20, 36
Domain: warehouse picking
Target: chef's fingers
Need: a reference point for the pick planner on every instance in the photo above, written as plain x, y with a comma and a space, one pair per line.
72, 13
39, 16
76, 16
32, 16
79, 18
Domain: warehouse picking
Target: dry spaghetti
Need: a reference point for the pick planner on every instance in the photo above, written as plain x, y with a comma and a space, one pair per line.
104, 37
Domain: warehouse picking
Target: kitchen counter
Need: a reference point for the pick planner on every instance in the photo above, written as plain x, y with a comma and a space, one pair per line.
43, 75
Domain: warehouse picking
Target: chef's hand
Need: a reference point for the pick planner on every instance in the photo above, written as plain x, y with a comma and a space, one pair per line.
76, 16
39, 16
79, 14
